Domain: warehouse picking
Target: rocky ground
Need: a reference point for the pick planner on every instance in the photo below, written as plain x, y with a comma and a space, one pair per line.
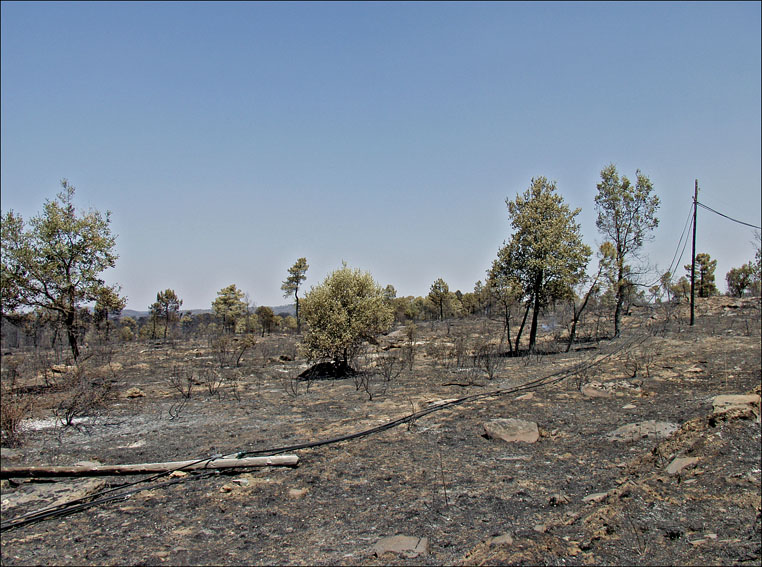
622, 452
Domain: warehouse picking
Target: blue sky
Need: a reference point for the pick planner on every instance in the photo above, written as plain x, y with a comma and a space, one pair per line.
229, 139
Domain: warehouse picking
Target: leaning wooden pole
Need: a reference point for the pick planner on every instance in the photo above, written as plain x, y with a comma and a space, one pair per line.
693, 255
148, 468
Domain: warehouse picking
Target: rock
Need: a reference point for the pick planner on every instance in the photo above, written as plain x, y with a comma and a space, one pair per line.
540, 528
134, 393
680, 463
731, 402
226, 488
595, 390
407, 546
527, 396
595, 497
297, 493
635, 431
504, 539
558, 499
694, 370
512, 430
630, 406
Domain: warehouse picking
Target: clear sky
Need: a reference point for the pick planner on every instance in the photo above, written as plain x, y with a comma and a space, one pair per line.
229, 139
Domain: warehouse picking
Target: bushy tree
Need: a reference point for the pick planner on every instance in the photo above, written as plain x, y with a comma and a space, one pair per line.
546, 253
296, 275
626, 217
108, 305
705, 267
342, 312
266, 319
229, 307
740, 279
56, 262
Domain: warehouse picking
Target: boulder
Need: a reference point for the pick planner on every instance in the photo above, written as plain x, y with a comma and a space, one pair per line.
512, 430
731, 402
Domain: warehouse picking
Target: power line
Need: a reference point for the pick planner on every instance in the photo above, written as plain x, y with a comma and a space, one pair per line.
727, 217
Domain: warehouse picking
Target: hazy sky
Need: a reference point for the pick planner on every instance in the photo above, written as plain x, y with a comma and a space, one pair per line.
229, 139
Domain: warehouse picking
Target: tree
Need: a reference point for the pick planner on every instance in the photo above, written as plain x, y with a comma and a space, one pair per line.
740, 279
167, 307
439, 295
296, 275
626, 216
605, 256
342, 312
108, 304
705, 267
266, 319
55, 264
545, 254
229, 307
506, 291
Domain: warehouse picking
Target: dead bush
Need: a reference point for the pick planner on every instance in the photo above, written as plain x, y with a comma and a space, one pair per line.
13, 410
84, 396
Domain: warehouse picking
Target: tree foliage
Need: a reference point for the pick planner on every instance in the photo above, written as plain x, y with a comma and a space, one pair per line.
296, 275
230, 307
346, 309
740, 279
705, 266
56, 262
439, 295
626, 217
166, 307
545, 255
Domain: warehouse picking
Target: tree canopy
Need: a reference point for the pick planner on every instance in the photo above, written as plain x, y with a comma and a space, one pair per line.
626, 217
296, 275
545, 255
55, 263
346, 309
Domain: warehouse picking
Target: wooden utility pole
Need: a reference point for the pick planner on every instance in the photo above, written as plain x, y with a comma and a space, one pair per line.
693, 255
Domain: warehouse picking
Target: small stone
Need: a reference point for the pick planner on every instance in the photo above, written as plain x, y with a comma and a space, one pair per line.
540, 528
629, 406
225, 488
680, 463
407, 546
134, 393
512, 430
527, 396
558, 499
595, 497
241, 481
297, 493
178, 474
595, 390
505, 539
694, 370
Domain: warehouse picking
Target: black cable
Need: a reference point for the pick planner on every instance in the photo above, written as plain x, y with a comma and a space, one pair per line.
727, 217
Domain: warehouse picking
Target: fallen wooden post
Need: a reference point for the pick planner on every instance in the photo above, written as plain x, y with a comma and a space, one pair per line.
148, 468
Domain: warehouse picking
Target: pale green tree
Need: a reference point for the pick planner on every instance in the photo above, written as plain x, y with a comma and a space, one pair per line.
296, 275
229, 307
705, 267
626, 217
439, 295
347, 309
56, 262
546, 253
740, 279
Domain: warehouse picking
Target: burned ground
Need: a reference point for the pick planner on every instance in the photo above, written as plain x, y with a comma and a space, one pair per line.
578, 495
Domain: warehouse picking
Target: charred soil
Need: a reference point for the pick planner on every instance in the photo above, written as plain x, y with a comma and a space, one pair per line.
681, 485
